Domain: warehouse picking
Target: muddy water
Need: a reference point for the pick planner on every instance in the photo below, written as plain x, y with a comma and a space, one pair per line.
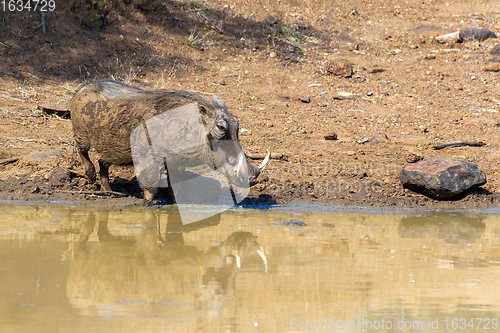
81, 269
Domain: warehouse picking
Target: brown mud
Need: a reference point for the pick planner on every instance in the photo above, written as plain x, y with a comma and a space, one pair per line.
271, 62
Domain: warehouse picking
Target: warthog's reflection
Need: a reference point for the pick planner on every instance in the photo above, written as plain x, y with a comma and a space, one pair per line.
122, 274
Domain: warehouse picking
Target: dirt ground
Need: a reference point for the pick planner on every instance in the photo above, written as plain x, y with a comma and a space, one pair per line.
267, 60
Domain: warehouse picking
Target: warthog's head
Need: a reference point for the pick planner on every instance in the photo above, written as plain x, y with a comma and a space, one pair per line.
222, 132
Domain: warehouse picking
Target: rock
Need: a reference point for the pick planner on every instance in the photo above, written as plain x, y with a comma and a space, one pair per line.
494, 67
430, 56
338, 67
495, 50
448, 38
60, 177
413, 157
45, 157
430, 30
423, 129
441, 178
497, 124
375, 70
305, 99
294, 223
272, 55
472, 34
379, 137
331, 136
58, 110
245, 132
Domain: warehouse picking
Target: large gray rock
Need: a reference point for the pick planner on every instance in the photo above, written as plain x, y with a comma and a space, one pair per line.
478, 34
442, 178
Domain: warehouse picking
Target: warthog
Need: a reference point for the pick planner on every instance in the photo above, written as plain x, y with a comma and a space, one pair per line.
106, 113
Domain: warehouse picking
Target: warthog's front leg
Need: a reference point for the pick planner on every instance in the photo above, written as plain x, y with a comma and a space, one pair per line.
88, 167
104, 173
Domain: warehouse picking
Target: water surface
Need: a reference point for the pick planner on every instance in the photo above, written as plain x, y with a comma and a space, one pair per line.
75, 268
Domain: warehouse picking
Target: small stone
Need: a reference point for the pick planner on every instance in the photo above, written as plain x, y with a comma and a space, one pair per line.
448, 38
478, 34
294, 223
339, 67
350, 153
497, 124
222, 82
495, 67
430, 56
495, 50
245, 132
430, 30
375, 70
331, 136
345, 94
394, 52
272, 55
441, 178
305, 99
423, 129
379, 137
369, 93
413, 157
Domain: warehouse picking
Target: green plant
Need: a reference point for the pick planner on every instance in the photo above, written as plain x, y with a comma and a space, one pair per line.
196, 36
193, 6
290, 35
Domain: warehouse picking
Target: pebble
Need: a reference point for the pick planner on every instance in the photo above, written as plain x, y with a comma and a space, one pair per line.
305, 99
495, 50
331, 136
272, 55
245, 132
495, 67
379, 137
448, 38
375, 70
339, 67
423, 129
430, 56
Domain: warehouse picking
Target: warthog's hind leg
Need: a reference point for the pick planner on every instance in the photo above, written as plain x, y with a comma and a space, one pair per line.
104, 173
88, 167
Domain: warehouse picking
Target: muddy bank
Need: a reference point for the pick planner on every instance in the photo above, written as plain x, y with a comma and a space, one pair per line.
56, 175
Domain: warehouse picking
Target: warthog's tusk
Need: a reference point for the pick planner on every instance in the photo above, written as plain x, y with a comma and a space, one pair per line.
263, 256
236, 254
264, 163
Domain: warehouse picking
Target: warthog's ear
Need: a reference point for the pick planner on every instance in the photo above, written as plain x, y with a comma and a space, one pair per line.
205, 117
219, 103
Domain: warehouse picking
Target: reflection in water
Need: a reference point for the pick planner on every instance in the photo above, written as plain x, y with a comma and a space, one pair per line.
459, 227
153, 274
81, 269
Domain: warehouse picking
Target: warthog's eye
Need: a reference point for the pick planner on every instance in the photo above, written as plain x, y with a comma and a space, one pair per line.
220, 130
221, 127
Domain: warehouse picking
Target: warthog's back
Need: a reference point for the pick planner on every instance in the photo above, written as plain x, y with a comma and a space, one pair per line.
105, 113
